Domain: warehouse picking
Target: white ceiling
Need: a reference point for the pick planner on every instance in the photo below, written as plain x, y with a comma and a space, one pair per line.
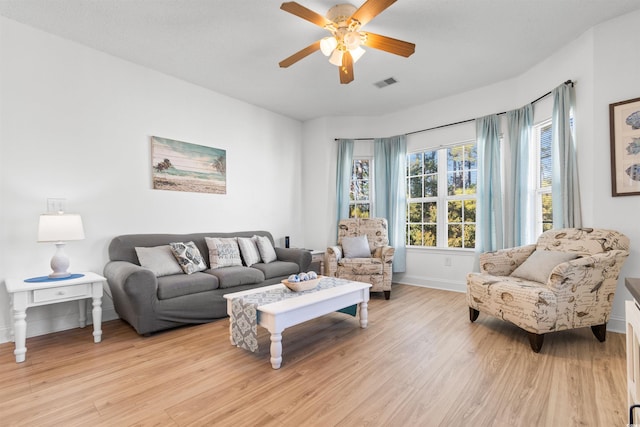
233, 47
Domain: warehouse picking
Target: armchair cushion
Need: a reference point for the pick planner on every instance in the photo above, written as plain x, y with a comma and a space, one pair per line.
353, 266
356, 247
539, 265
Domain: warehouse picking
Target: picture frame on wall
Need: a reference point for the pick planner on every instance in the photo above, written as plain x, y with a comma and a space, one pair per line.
624, 121
182, 166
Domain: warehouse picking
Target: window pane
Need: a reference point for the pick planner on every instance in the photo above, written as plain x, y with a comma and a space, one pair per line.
469, 235
472, 182
431, 186
414, 164
470, 211
547, 211
415, 187
361, 169
454, 235
414, 236
431, 162
545, 156
430, 212
430, 235
363, 190
454, 183
472, 156
455, 211
415, 212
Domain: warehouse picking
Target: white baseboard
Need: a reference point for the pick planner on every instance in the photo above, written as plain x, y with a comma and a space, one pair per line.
615, 324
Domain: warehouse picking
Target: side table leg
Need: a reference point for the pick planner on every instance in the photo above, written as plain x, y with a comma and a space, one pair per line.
82, 307
97, 319
276, 350
364, 314
20, 334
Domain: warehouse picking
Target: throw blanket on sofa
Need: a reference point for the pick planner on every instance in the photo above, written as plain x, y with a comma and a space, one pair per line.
244, 310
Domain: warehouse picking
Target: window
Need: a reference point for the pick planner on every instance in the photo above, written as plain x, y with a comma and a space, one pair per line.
360, 189
441, 197
543, 200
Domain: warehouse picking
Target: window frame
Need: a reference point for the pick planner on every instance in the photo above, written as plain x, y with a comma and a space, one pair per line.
370, 180
539, 191
442, 199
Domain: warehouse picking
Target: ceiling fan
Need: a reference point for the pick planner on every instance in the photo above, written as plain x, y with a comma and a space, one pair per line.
344, 46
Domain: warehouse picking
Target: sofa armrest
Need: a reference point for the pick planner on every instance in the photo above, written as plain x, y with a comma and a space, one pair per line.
385, 253
134, 290
302, 257
504, 261
587, 275
331, 257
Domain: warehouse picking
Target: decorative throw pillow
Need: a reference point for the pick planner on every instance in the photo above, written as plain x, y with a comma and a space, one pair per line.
188, 256
249, 250
356, 247
267, 253
223, 252
158, 259
539, 265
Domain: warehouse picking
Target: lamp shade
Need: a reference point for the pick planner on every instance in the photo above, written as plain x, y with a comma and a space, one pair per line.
60, 228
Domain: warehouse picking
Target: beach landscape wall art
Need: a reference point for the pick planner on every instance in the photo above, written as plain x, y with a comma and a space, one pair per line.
182, 166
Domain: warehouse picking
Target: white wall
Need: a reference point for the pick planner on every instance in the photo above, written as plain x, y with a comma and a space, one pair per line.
75, 124
604, 66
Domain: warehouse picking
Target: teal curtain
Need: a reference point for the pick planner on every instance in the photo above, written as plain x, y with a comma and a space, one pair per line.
390, 158
565, 190
517, 204
343, 178
489, 223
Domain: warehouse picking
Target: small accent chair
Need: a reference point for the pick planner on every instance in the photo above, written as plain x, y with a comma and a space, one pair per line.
566, 280
376, 268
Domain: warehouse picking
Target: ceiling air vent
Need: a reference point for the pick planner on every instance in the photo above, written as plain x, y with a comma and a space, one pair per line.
386, 82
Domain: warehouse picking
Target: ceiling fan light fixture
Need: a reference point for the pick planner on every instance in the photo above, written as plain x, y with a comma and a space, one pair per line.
336, 58
357, 53
328, 45
352, 40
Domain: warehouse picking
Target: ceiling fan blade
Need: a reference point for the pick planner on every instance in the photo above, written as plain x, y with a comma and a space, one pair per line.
388, 44
304, 13
370, 9
300, 54
346, 69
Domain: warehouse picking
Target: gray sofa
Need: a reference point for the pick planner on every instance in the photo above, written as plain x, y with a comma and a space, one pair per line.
151, 304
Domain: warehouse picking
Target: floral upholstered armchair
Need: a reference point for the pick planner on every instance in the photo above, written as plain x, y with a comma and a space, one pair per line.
362, 254
566, 280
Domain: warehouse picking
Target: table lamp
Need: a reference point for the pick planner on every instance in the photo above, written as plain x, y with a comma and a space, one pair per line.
60, 228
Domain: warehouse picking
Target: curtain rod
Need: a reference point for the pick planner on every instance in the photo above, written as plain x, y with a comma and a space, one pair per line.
568, 82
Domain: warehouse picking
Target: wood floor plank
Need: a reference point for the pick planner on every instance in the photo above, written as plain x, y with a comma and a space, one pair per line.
420, 362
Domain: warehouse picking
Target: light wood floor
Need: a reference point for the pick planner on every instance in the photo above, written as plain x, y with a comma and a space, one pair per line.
419, 363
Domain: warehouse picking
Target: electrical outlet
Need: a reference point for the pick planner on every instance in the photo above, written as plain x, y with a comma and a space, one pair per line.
447, 261
56, 205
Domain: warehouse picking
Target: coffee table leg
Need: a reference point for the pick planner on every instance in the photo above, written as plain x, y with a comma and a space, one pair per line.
364, 314
276, 350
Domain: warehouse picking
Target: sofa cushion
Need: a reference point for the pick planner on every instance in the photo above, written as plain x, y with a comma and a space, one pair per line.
540, 263
267, 253
356, 247
229, 277
249, 250
188, 256
159, 259
178, 285
277, 268
223, 252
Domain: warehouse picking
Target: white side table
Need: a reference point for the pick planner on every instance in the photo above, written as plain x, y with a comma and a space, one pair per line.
32, 294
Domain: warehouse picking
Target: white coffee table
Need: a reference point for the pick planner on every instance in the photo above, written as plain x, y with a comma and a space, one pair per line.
277, 316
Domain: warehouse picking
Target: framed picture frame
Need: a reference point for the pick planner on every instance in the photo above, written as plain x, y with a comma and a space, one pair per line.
182, 166
624, 121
